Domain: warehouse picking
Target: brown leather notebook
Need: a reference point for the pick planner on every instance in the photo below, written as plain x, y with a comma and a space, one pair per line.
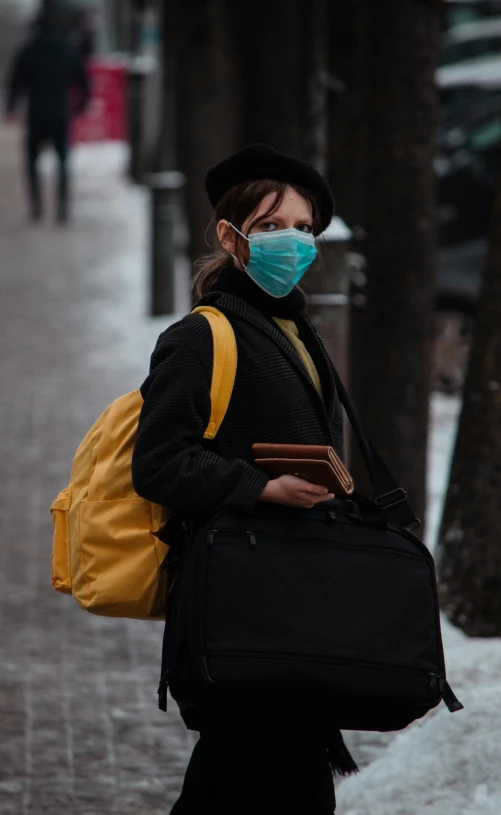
313, 462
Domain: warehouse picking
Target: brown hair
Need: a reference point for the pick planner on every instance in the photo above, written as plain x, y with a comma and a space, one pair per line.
235, 206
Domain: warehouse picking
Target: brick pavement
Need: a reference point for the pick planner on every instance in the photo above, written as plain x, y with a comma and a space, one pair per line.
80, 731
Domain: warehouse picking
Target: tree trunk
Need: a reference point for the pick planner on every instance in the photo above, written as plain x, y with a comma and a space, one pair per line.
314, 72
208, 105
167, 154
469, 550
348, 125
270, 55
393, 319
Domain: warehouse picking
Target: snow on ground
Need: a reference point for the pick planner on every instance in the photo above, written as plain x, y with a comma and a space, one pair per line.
444, 415
444, 765
89, 164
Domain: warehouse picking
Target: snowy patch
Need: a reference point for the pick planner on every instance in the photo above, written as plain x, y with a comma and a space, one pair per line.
91, 161
444, 765
444, 417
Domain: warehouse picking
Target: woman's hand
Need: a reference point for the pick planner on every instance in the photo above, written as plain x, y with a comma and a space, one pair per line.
294, 492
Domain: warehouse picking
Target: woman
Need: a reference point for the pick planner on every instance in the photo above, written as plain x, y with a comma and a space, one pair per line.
252, 756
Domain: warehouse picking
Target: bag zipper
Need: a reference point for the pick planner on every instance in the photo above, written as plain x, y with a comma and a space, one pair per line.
435, 681
253, 543
213, 532
377, 666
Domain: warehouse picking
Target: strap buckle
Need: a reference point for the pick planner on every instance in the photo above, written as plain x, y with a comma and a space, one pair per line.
391, 499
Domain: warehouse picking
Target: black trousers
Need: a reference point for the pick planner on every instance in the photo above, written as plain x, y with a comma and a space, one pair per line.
243, 768
54, 132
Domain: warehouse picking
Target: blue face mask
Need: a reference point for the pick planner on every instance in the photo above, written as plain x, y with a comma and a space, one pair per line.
278, 260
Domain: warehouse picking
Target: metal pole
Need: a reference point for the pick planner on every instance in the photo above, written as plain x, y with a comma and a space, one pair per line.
138, 71
166, 238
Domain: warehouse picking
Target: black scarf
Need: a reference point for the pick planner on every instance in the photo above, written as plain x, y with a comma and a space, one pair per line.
234, 281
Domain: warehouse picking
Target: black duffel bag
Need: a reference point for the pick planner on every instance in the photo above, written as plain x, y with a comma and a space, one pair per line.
340, 599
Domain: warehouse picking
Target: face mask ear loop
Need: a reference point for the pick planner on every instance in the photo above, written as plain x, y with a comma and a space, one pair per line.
240, 233
239, 261
231, 253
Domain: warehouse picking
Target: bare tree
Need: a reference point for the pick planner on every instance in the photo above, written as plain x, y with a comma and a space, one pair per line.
470, 545
393, 315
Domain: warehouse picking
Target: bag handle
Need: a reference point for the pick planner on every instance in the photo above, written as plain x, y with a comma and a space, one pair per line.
389, 497
224, 366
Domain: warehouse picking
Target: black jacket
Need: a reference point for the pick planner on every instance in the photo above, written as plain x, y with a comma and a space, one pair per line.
45, 70
274, 400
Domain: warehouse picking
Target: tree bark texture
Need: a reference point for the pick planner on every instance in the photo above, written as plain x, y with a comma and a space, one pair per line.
167, 153
270, 53
392, 326
348, 125
469, 551
208, 105
314, 78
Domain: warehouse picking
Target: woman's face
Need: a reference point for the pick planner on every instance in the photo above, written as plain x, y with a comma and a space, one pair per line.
294, 212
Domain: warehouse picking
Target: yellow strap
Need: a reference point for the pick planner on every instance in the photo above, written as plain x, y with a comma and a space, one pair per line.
224, 366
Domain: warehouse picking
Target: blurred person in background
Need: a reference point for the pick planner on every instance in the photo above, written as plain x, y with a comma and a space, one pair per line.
50, 75
83, 34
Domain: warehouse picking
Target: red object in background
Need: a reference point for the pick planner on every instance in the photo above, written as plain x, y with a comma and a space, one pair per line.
105, 117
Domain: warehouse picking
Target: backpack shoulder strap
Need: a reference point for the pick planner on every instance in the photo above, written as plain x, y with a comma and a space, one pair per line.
224, 367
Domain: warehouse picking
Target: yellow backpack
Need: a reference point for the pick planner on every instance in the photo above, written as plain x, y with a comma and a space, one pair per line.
106, 552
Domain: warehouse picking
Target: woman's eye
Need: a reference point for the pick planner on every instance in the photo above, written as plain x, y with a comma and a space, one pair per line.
267, 226
304, 228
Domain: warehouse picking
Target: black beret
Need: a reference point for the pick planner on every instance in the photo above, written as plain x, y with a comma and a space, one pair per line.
259, 161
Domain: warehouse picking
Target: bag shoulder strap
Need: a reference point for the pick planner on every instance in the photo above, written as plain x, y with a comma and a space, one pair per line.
224, 367
390, 498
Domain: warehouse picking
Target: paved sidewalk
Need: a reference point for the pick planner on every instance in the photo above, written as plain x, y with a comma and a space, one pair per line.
80, 730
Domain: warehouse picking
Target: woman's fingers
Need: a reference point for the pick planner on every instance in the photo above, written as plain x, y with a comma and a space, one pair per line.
290, 490
306, 487
315, 490
310, 498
